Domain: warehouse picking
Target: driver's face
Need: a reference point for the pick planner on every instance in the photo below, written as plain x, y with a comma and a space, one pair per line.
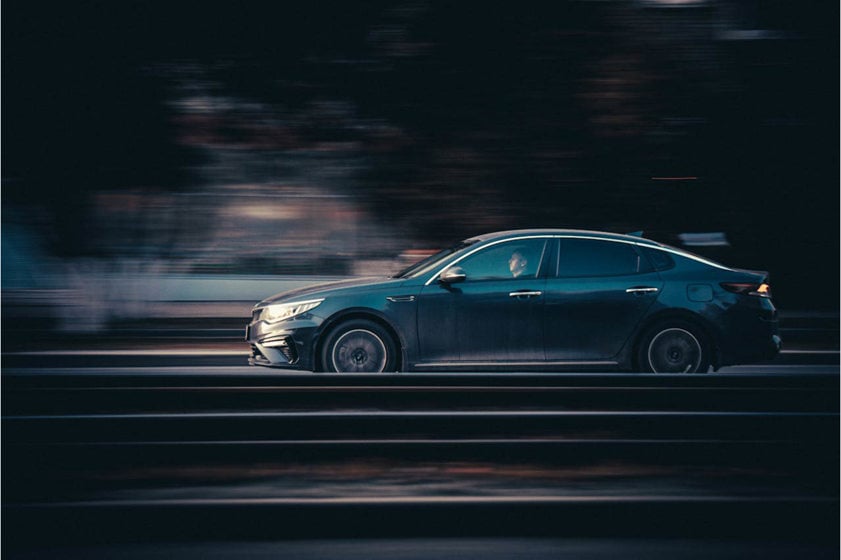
517, 263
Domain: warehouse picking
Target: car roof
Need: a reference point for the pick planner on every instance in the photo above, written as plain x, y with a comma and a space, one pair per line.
515, 233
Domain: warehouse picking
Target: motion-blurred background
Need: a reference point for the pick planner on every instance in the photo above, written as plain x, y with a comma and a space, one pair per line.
160, 154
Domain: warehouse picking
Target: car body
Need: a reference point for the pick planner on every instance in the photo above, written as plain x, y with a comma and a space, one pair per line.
524, 300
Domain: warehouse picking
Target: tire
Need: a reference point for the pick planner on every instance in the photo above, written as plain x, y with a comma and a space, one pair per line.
359, 346
674, 347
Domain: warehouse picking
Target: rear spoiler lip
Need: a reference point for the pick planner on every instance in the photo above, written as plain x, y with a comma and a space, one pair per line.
764, 275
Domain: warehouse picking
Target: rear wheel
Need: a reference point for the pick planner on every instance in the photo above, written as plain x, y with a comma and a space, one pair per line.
359, 346
674, 347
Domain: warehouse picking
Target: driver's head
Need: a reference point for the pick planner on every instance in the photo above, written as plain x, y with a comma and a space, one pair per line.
517, 263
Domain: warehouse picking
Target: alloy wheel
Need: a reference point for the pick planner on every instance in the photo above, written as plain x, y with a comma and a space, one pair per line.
675, 350
359, 351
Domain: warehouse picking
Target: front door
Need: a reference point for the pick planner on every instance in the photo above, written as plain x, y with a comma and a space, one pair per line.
494, 317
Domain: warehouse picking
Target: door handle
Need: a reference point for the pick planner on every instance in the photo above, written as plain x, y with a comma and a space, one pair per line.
642, 290
525, 294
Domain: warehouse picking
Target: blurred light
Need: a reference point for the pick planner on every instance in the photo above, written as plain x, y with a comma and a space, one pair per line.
688, 178
674, 3
711, 239
265, 211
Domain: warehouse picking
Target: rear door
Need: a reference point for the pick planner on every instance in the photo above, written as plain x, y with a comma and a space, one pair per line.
597, 295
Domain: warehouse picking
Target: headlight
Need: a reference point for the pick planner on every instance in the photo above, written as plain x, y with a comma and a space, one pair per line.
281, 311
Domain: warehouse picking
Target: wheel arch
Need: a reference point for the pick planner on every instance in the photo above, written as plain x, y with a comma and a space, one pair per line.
705, 327
349, 315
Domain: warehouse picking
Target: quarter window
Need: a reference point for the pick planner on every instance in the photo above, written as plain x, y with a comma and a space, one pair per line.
514, 259
660, 259
591, 257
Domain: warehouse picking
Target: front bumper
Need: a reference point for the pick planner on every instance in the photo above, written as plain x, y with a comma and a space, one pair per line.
287, 344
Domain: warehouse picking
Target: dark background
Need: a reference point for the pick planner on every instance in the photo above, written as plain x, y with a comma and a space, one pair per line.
429, 122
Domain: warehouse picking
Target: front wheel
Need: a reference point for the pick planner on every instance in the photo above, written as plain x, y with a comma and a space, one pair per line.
676, 347
359, 346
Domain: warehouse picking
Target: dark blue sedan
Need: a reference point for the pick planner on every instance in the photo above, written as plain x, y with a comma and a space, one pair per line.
527, 300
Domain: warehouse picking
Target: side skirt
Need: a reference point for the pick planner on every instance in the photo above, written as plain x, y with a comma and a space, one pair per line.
509, 366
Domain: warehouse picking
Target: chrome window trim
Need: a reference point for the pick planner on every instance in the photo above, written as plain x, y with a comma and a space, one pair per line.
568, 236
677, 252
685, 255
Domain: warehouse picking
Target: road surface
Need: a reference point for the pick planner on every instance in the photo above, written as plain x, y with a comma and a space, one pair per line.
178, 453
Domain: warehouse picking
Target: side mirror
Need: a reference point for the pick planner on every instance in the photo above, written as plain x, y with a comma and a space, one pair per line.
452, 275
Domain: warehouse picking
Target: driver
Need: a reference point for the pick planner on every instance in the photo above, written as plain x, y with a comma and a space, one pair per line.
517, 263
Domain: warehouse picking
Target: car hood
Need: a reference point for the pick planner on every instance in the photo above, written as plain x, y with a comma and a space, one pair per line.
325, 289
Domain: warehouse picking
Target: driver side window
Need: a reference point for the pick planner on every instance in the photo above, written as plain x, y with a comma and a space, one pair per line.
512, 259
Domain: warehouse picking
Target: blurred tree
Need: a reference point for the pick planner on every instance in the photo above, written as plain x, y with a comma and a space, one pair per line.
442, 119
80, 115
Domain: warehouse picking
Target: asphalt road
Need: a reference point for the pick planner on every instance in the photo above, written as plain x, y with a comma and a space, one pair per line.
175, 454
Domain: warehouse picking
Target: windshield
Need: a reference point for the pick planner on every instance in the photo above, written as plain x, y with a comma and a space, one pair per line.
427, 264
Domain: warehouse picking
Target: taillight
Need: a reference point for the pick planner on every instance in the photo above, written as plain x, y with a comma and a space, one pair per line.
749, 289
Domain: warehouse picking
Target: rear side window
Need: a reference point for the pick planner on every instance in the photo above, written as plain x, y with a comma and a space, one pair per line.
592, 257
660, 260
